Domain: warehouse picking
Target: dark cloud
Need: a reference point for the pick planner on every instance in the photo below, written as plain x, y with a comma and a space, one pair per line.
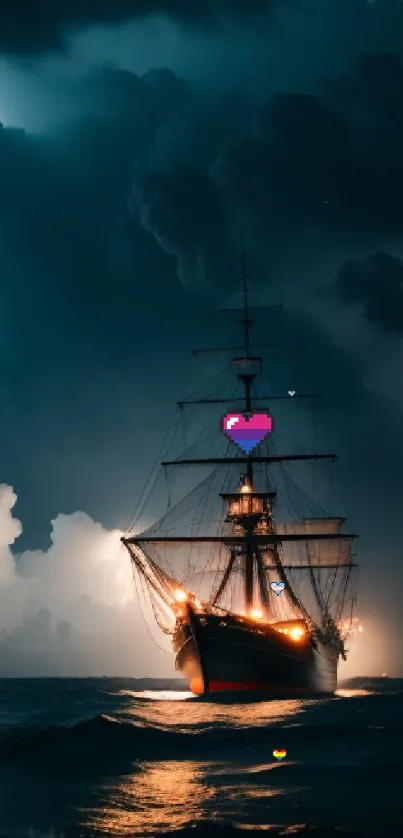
282, 176
185, 212
375, 283
320, 170
75, 267
63, 196
337, 169
339, 27
29, 27
323, 171
198, 134
96, 324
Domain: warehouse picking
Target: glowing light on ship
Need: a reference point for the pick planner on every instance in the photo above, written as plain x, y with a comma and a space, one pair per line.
353, 627
180, 595
296, 633
256, 614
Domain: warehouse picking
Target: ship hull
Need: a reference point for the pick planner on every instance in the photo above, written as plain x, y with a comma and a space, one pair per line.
216, 656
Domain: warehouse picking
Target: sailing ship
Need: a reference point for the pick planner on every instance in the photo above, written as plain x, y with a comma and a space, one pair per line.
252, 602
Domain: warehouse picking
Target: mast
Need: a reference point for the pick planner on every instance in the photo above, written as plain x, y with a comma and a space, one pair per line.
253, 546
246, 376
246, 321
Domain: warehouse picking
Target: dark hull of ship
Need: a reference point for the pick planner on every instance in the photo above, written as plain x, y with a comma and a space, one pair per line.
218, 655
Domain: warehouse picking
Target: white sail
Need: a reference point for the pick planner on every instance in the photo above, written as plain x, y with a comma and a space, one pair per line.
311, 526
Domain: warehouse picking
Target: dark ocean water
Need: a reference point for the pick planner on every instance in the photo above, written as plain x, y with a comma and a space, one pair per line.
120, 757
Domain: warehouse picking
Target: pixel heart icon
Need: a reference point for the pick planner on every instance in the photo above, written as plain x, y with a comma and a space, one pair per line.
247, 431
277, 587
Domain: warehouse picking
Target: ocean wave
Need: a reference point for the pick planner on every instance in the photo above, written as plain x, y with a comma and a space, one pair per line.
109, 736
157, 695
214, 830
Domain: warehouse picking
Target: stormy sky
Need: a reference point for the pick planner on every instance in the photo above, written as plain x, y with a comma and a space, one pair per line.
144, 145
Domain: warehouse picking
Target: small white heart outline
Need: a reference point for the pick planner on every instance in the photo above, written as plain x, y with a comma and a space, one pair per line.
291, 393
277, 587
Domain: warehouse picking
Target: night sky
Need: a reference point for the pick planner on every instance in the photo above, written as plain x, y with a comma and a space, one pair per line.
144, 145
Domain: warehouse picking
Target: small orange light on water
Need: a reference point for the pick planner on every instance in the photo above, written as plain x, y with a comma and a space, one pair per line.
256, 614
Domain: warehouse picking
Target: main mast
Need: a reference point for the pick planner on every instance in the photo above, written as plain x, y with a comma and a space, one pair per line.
246, 375
254, 511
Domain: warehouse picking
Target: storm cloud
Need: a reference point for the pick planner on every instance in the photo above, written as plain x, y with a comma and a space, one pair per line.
375, 283
113, 219
30, 28
322, 169
184, 209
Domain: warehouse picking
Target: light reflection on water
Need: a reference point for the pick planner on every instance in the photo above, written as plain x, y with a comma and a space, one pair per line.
161, 796
353, 693
169, 712
158, 796
172, 794
169, 795
159, 695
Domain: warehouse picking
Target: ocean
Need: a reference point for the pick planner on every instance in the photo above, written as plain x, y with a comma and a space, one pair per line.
81, 758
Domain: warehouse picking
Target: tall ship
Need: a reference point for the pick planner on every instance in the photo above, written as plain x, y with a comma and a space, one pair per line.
253, 579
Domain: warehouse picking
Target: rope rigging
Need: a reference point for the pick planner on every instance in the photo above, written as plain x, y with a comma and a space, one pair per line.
310, 586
